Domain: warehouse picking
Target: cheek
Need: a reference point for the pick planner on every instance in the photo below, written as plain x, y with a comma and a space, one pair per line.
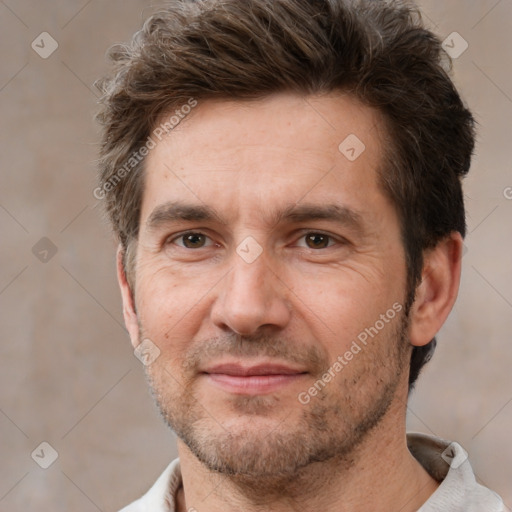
164, 292
340, 305
170, 310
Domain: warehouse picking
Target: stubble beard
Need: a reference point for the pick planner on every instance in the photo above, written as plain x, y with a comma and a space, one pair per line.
329, 428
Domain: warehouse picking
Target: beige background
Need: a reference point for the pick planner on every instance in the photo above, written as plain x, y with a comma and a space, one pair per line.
68, 375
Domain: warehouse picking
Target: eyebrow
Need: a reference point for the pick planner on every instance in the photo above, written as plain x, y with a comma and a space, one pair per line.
178, 211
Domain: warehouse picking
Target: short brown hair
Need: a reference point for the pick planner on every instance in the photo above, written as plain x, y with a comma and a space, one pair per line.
379, 51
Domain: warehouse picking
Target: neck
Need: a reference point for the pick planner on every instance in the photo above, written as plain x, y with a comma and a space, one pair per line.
379, 475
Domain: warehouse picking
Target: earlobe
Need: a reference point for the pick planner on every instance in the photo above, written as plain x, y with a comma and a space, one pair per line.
129, 311
437, 292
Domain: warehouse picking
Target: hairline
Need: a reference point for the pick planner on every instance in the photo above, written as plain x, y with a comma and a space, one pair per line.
387, 145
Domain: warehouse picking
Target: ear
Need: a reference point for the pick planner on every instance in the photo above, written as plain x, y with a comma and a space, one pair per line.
436, 294
129, 312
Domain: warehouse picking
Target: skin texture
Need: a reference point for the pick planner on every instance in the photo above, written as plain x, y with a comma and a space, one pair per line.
315, 286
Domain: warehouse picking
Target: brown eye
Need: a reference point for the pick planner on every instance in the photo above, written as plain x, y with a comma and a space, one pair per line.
191, 240
317, 240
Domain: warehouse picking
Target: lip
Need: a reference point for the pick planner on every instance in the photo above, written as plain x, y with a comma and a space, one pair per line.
263, 378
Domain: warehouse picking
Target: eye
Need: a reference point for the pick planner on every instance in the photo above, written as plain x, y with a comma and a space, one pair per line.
317, 240
191, 240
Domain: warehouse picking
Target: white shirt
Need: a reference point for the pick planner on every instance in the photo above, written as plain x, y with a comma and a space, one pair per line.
446, 462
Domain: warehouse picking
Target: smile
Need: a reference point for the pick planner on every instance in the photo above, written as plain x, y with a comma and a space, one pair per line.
252, 380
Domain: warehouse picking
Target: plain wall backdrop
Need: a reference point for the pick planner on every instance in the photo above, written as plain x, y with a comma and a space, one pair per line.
68, 375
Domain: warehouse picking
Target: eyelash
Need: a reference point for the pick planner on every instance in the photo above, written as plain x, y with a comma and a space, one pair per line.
185, 233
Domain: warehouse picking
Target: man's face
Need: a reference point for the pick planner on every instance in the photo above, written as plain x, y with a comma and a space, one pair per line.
291, 253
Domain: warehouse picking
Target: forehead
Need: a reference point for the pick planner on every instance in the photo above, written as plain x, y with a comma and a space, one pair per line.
283, 148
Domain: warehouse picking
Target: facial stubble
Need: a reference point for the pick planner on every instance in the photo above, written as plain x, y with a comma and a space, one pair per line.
330, 427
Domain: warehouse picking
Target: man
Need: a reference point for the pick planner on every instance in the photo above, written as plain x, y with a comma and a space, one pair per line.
284, 178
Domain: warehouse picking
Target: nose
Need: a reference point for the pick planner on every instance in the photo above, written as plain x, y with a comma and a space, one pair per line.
251, 296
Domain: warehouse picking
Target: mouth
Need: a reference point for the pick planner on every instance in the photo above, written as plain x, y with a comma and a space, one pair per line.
263, 378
